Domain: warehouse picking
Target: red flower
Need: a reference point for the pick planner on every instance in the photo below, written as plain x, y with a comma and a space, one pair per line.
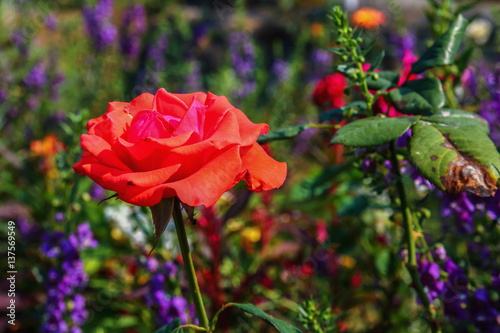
381, 105
193, 146
330, 89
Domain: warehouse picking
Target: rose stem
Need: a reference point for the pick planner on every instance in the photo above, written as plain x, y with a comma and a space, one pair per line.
188, 265
410, 240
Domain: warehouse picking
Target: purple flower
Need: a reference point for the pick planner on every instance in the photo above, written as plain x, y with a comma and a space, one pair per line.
459, 208
321, 64
51, 244
440, 253
98, 24
455, 292
430, 277
97, 192
36, 77
54, 323
132, 27
51, 22
403, 43
281, 69
19, 39
85, 236
243, 61
170, 269
55, 83
59, 217
78, 313
152, 264
177, 308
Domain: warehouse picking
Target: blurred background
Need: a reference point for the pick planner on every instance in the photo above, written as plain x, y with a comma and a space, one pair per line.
323, 247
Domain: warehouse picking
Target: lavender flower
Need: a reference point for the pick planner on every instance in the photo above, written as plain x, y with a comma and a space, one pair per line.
98, 24
281, 70
85, 236
64, 282
19, 39
36, 77
51, 22
490, 109
97, 193
403, 43
132, 27
321, 64
243, 61
167, 307
430, 273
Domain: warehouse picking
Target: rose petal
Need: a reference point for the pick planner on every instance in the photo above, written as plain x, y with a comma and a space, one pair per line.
203, 187
260, 171
170, 104
148, 124
141, 102
101, 150
193, 120
113, 125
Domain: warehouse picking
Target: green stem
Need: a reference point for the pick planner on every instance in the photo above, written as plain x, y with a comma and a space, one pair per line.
188, 265
423, 242
363, 85
410, 240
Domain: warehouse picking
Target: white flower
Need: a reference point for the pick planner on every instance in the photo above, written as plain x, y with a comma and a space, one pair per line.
479, 30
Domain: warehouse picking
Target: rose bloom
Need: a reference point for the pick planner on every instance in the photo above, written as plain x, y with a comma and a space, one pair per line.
330, 89
368, 18
193, 146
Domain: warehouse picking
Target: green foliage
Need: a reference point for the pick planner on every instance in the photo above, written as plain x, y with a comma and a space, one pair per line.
354, 109
170, 327
444, 50
283, 134
372, 131
421, 96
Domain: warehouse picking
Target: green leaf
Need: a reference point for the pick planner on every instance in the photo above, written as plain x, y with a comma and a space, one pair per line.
162, 213
444, 50
459, 118
386, 80
377, 61
283, 134
280, 325
456, 159
421, 96
373, 131
347, 111
383, 261
336, 50
347, 70
170, 326
463, 60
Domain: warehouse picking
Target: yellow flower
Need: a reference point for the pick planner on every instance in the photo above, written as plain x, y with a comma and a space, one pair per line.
368, 18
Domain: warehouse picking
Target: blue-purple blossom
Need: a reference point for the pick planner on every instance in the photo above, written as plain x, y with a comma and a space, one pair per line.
98, 25
51, 244
402, 43
430, 274
281, 70
131, 29
96, 192
243, 61
65, 282
321, 64
51, 22
85, 236
36, 77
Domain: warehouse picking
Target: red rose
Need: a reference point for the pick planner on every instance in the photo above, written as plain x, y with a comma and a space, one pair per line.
193, 146
330, 89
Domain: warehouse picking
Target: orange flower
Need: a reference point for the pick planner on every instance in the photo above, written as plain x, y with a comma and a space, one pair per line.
47, 147
317, 29
368, 18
